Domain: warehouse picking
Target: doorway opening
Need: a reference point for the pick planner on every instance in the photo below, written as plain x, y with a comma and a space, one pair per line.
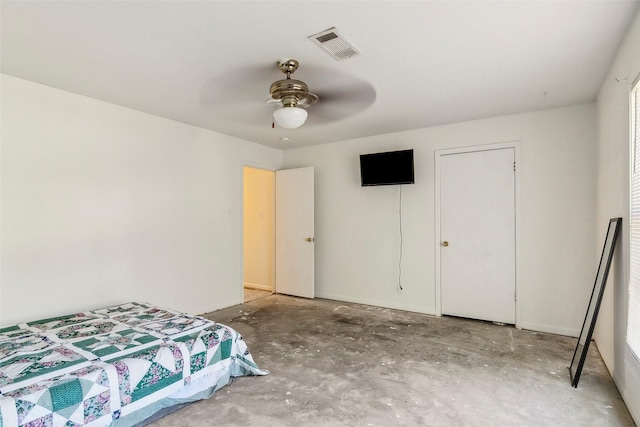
259, 233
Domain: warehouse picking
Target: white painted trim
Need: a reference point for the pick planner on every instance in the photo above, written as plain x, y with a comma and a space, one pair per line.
631, 391
550, 329
257, 286
518, 221
635, 82
240, 289
438, 239
629, 384
518, 209
375, 303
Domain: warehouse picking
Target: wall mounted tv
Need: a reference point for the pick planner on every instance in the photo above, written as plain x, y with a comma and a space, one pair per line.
390, 168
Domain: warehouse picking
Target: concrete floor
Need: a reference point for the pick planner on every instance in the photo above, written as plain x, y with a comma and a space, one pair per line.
341, 364
254, 294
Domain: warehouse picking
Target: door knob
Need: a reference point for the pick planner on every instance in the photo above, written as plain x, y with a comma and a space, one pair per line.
310, 239
445, 243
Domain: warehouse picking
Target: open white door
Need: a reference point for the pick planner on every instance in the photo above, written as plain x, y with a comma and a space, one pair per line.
295, 232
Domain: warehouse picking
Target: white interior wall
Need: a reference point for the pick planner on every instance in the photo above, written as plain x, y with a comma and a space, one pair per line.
613, 201
357, 229
89, 209
103, 204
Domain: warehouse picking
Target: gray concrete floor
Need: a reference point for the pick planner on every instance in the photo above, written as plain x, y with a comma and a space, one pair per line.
254, 294
341, 364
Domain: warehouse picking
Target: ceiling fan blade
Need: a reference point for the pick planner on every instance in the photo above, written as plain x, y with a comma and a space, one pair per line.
339, 103
239, 96
247, 84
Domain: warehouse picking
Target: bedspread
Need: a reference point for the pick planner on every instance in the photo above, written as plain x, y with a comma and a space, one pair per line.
113, 366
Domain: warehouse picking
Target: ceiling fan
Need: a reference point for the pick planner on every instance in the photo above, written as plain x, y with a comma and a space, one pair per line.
294, 96
238, 97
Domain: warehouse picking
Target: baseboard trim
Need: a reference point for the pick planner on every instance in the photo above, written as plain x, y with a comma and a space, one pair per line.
550, 329
375, 303
257, 286
537, 327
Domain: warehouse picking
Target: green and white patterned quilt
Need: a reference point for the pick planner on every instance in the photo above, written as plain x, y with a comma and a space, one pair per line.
114, 366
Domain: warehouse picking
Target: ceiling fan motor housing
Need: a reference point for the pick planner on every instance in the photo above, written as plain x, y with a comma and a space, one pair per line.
294, 96
289, 91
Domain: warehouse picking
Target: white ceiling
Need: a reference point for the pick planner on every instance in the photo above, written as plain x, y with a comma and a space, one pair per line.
423, 63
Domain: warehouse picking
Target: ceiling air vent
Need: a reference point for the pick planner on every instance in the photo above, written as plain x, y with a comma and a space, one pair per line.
332, 41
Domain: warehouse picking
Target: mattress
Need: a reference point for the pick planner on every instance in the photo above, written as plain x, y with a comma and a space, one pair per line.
116, 366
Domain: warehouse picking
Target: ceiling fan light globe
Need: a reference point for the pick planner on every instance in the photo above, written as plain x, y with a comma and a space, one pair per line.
290, 117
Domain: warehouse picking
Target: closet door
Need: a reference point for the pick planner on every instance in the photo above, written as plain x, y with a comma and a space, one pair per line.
477, 230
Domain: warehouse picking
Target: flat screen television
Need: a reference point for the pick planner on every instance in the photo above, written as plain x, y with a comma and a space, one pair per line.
390, 168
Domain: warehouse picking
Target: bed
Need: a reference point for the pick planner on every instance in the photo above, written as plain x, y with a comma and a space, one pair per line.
116, 366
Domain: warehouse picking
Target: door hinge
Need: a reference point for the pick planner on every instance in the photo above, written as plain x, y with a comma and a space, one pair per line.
514, 166
515, 296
